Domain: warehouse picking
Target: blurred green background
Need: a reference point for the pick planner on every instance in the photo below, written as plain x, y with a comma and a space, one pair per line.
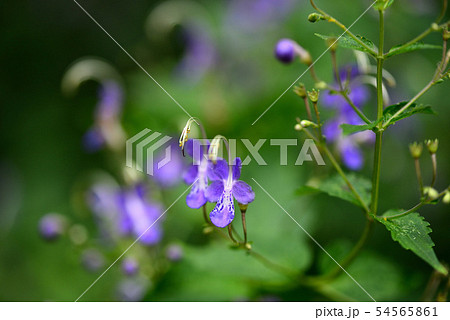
42, 161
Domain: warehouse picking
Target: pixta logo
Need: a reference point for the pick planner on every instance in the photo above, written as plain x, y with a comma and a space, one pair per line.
143, 146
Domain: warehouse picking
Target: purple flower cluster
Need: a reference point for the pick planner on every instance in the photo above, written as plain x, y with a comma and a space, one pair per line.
348, 146
126, 212
225, 186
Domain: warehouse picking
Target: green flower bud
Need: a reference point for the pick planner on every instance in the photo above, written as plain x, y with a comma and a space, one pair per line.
320, 85
307, 123
435, 26
415, 149
298, 127
446, 198
313, 95
300, 90
314, 17
332, 43
432, 145
431, 193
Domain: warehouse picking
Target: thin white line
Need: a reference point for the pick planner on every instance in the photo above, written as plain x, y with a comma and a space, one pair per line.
134, 242
315, 241
134, 60
304, 72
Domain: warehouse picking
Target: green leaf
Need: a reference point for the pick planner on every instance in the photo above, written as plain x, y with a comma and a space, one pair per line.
348, 42
411, 110
412, 47
335, 186
411, 231
350, 128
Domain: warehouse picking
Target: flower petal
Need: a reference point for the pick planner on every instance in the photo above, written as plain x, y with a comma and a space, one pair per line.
196, 198
242, 192
194, 148
352, 156
190, 174
223, 212
214, 191
237, 165
218, 171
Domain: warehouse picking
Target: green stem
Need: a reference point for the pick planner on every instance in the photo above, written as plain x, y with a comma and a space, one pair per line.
352, 255
437, 75
343, 91
338, 168
417, 206
379, 133
419, 175
340, 25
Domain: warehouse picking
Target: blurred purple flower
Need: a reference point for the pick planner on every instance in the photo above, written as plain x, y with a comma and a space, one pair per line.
196, 174
348, 146
224, 189
170, 173
200, 53
285, 50
174, 253
130, 266
51, 226
92, 260
138, 216
132, 289
252, 15
107, 111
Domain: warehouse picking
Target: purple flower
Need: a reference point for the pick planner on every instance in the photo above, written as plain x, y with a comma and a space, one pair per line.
224, 189
137, 216
51, 226
174, 253
196, 174
132, 289
349, 146
130, 266
254, 15
107, 112
200, 53
169, 174
92, 260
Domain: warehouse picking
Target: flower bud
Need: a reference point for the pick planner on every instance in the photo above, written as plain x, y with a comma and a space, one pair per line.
286, 50
432, 145
52, 226
314, 17
298, 127
415, 149
300, 90
431, 193
307, 123
130, 266
446, 198
313, 95
435, 26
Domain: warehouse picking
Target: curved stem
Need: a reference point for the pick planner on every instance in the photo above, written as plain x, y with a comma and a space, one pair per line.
340, 25
436, 76
417, 206
338, 168
343, 91
352, 255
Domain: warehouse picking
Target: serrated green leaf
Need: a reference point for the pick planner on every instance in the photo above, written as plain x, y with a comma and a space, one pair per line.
412, 232
412, 47
411, 110
335, 186
348, 42
350, 128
